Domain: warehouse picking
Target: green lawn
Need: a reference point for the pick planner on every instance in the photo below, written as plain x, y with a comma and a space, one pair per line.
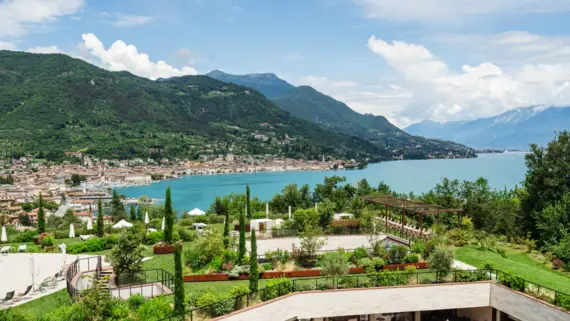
518, 263
46, 303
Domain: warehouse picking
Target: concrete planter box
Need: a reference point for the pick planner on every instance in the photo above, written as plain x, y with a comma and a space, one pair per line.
165, 249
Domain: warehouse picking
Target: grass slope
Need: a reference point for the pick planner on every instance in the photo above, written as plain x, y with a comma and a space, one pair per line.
518, 263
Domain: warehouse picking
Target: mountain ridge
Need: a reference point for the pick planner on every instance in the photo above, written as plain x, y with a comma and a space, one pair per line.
309, 104
516, 128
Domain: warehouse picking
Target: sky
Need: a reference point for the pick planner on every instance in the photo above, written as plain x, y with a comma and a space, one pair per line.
409, 60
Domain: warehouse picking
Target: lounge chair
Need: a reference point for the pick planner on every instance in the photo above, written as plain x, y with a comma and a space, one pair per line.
22, 248
85, 237
8, 298
20, 296
5, 249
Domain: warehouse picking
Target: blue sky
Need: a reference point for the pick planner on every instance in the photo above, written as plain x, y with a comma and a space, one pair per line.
409, 60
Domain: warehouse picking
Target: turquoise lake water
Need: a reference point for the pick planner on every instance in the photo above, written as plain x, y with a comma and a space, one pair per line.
502, 170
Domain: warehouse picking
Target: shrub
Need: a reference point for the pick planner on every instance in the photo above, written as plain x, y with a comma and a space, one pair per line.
267, 266
216, 264
430, 247
153, 238
47, 240
562, 250
185, 234
459, 237
26, 236
276, 288
238, 270
136, 301
371, 265
501, 251
278, 256
238, 292
557, 264
214, 305
411, 258
419, 246
397, 253
359, 253
157, 308
13, 315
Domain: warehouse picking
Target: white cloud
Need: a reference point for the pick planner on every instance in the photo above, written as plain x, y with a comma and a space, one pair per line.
121, 56
128, 20
4, 45
45, 50
191, 57
18, 17
454, 10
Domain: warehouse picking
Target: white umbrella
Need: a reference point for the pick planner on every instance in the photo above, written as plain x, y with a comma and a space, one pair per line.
316, 206
71, 231
266, 210
162, 228
196, 212
89, 223
63, 249
123, 224
32, 268
146, 217
289, 211
4, 237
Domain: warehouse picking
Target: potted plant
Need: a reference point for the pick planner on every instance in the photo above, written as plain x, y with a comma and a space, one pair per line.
46, 240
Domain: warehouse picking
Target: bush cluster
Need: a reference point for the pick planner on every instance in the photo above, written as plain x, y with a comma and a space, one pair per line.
94, 244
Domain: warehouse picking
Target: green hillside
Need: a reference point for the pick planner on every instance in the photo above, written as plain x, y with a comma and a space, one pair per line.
52, 103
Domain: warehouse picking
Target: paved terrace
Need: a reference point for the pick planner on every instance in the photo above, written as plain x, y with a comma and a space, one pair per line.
16, 273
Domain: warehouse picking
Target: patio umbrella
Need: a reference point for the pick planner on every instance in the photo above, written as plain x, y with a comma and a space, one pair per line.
162, 228
316, 206
146, 217
63, 249
32, 269
289, 211
71, 231
266, 210
4, 237
89, 224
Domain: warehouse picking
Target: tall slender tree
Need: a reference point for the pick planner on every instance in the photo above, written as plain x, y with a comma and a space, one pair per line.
168, 217
100, 215
253, 269
241, 237
117, 208
178, 283
227, 230
247, 201
41, 215
133, 213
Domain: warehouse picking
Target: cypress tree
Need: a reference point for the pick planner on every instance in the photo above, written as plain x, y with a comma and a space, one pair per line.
139, 214
227, 230
117, 208
100, 231
41, 216
241, 237
133, 213
168, 217
178, 283
253, 271
247, 201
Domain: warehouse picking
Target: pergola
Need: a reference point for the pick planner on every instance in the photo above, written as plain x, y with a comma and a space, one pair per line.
406, 205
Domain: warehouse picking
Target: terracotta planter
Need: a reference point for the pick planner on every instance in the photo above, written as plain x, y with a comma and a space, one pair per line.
206, 277
355, 270
165, 249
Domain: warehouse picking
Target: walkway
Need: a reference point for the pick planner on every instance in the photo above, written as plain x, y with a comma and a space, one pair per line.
348, 242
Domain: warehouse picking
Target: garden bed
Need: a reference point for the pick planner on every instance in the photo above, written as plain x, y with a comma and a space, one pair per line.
292, 274
165, 249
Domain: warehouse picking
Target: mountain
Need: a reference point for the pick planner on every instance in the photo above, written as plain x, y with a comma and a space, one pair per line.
307, 103
514, 129
52, 103
268, 84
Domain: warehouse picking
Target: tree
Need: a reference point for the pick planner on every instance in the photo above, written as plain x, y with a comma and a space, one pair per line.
253, 269
441, 260
311, 243
126, 256
100, 217
227, 230
178, 283
247, 201
305, 219
168, 217
547, 180
76, 179
133, 213
326, 213
24, 219
334, 264
140, 216
554, 222
241, 237
117, 208
70, 218
41, 216
363, 187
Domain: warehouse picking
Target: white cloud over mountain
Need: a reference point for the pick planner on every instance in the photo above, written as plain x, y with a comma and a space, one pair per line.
45, 50
17, 18
121, 56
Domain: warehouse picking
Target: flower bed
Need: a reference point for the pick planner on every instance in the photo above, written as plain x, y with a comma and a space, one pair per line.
291, 274
165, 248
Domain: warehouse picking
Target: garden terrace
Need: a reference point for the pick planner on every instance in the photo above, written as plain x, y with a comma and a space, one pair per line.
415, 207
380, 293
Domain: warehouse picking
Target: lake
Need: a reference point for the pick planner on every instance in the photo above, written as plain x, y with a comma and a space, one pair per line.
502, 170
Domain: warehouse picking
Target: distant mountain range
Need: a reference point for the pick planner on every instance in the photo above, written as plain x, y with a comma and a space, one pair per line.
516, 128
307, 103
